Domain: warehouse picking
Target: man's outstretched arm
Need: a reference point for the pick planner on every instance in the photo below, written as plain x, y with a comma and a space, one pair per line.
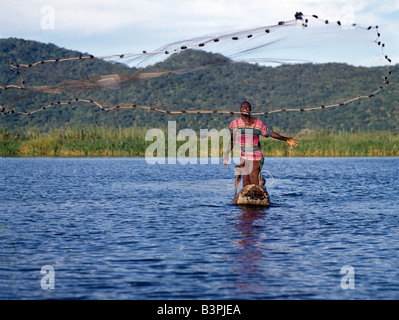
290, 140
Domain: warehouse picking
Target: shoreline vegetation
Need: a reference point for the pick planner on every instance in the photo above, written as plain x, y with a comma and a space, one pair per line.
95, 141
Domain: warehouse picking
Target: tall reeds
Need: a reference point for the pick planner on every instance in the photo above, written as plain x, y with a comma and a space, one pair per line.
342, 144
90, 141
114, 141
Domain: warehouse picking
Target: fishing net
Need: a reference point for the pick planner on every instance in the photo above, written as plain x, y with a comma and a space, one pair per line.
164, 80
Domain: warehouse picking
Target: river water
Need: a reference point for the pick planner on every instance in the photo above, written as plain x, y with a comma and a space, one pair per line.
120, 228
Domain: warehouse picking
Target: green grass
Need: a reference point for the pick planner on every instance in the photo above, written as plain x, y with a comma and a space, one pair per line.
91, 141
343, 144
102, 141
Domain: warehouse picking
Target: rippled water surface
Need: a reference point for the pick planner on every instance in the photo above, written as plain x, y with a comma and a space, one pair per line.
119, 228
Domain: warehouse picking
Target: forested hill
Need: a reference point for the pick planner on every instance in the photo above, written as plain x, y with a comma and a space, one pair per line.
223, 86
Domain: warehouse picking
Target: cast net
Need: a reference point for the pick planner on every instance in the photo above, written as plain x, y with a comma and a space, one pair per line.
152, 80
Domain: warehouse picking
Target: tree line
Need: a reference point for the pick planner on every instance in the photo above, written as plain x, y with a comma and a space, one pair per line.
214, 82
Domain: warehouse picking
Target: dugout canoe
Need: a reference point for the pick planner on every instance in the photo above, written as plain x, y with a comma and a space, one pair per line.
252, 195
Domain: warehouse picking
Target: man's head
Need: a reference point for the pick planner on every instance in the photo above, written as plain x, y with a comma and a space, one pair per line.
245, 108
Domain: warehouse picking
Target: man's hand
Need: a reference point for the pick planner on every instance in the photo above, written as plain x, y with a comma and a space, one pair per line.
292, 143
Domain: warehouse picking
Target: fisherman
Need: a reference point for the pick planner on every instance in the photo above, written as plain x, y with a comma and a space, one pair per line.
246, 131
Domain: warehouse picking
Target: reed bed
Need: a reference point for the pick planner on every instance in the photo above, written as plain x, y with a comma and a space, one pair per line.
74, 142
101, 141
342, 144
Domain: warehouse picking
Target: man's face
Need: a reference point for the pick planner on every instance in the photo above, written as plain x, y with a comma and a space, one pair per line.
245, 109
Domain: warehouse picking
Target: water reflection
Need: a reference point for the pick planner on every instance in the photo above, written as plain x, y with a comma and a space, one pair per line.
250, 259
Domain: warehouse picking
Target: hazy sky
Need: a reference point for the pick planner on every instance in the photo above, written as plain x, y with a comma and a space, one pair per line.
102, 27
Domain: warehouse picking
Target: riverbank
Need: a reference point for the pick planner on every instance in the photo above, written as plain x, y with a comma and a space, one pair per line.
100, 141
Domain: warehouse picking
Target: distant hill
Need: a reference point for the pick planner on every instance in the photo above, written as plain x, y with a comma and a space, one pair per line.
223, 86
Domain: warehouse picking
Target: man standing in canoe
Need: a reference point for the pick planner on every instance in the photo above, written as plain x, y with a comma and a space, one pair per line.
245, 131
